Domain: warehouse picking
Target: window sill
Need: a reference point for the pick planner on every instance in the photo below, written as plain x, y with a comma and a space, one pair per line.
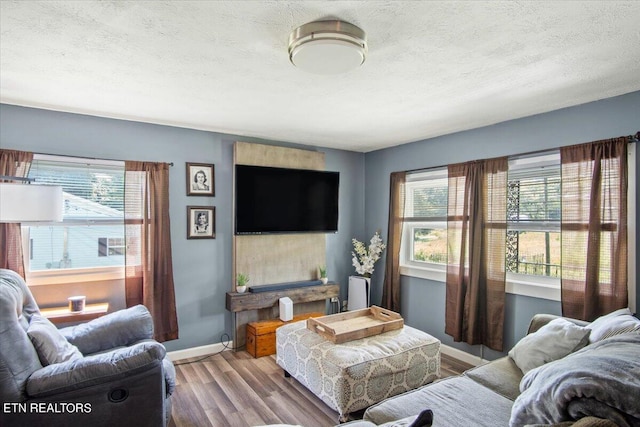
527, 286
58, 315
542, 288
438, 275
74, 275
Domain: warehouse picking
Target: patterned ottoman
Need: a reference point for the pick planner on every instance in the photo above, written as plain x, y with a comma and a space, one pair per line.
356, 374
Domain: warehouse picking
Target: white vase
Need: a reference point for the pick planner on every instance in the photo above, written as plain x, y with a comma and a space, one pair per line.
241, 289
324, 280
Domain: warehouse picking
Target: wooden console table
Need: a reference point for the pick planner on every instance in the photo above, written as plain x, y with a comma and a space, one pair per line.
59, 315
251, 307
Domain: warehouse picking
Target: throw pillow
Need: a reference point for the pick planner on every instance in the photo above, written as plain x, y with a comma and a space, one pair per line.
553, 341
617, 322
51, 346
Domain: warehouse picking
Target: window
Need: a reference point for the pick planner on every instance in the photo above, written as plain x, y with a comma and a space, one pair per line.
111, 246
533, 225
533, 216
90, 239
425, 229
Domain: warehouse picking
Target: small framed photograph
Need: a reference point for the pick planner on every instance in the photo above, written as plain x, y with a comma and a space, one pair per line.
201, 222
200, 179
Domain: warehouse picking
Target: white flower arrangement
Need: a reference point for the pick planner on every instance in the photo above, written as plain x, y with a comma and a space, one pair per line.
364, 258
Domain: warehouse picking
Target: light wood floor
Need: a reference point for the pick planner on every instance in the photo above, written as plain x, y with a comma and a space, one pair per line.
234, 389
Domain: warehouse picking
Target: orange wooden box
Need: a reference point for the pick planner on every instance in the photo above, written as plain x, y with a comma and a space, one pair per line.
261, 336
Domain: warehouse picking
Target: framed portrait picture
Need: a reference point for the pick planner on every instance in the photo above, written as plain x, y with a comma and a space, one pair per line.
200, 179
201, 222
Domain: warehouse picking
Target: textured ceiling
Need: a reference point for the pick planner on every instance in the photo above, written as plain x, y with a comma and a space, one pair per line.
434, 67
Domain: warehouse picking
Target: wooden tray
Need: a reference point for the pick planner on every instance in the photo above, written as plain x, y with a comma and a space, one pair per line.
353, 325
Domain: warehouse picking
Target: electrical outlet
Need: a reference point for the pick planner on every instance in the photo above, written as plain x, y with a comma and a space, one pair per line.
334, 299
345, 304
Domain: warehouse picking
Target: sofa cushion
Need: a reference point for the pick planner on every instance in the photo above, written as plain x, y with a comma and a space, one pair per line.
49, 343
553, 341
502, 376
454, 401
615, 323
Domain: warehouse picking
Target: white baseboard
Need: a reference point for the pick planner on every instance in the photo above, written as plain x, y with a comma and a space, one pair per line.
198, 351
462, 355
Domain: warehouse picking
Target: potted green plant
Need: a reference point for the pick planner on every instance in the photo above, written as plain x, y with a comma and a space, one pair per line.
241, 282
323, 274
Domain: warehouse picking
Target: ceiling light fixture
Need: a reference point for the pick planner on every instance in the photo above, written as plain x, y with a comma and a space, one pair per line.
327, 47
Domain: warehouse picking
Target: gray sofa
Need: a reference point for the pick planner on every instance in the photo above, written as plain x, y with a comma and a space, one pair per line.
606, 369
106, 372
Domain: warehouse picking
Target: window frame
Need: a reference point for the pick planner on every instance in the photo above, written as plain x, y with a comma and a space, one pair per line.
422, 269
70, 275
529, 284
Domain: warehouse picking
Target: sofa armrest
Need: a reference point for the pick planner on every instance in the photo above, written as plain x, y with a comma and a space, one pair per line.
96, 369
539, 320
117, 329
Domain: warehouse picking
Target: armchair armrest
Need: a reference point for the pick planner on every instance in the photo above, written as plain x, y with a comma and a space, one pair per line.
96, 369
117, 329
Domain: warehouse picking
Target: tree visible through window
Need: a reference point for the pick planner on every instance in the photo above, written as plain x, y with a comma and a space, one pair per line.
430, 245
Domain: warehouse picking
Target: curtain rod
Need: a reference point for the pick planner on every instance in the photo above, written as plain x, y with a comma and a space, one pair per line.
630, 139
83, 157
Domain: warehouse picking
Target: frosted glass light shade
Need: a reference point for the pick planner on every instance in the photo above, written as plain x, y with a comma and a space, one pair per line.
30, 202
327, 47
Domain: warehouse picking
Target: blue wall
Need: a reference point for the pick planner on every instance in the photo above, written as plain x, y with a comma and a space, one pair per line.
202, 268
423, 300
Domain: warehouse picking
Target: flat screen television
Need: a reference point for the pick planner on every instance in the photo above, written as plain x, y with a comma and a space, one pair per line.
282, 200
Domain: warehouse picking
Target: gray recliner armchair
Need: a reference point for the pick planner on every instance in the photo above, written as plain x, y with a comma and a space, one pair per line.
106, 372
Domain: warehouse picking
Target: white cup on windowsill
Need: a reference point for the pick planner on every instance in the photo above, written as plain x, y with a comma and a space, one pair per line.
77, 303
